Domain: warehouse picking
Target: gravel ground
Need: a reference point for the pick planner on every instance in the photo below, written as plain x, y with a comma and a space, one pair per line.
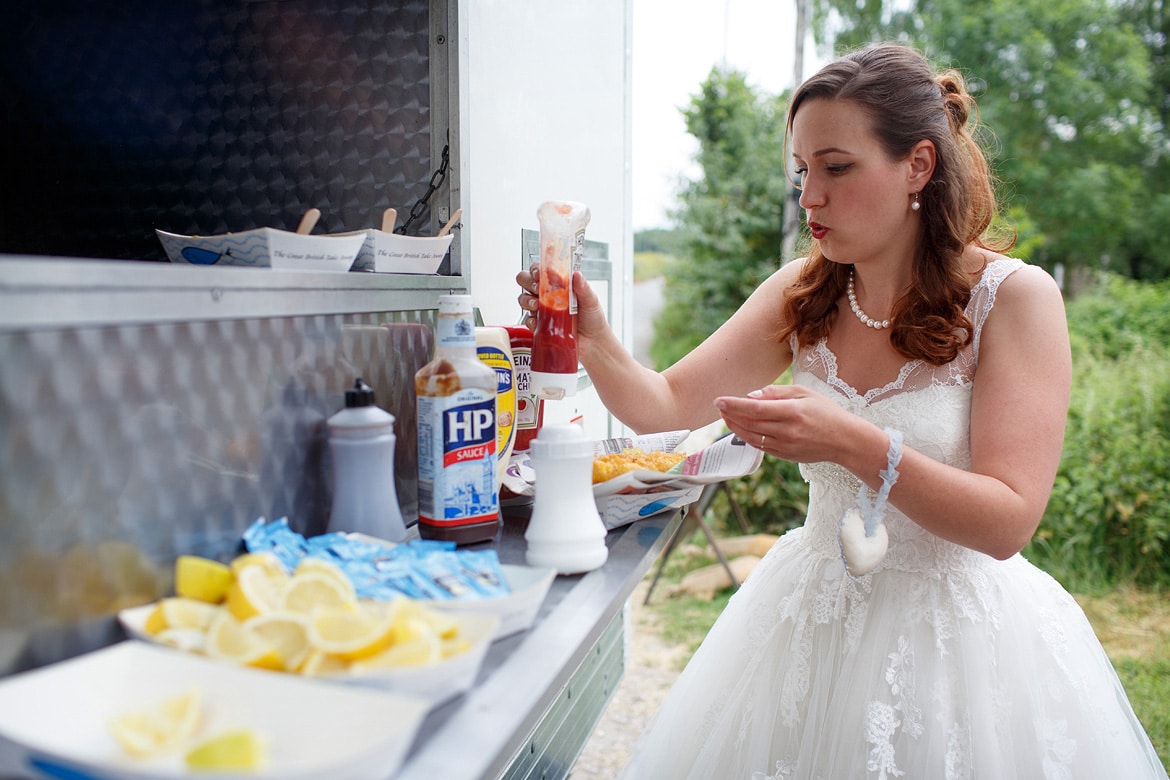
651, 668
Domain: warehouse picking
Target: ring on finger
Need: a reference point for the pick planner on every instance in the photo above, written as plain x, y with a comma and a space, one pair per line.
763, 438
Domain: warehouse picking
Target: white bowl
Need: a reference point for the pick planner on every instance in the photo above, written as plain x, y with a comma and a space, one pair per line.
391, 253
53, 720
266, 248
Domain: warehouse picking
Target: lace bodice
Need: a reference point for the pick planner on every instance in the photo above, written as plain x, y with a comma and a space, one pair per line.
930, 404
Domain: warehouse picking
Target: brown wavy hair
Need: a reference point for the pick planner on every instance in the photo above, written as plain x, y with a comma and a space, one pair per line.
908, 102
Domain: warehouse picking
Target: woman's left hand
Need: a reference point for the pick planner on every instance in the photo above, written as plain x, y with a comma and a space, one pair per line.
790, 422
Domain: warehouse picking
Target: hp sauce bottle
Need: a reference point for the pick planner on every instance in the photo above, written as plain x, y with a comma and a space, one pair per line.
457, 487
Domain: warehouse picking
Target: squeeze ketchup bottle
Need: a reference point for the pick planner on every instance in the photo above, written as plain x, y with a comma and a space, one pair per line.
554, 342
529, 405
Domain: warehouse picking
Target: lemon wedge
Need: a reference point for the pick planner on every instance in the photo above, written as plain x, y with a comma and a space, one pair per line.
422, 651
243, 749
449, 648
287, 632
160, 727
314, 589
202, 578
255, 591
192, 640
321, 664
180, 612
329, 569
228, 638
266, 560
349, 633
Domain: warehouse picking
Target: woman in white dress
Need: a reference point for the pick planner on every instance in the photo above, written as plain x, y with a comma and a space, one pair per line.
930, 388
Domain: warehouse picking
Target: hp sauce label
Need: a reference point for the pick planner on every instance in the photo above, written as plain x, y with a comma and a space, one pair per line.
457, 463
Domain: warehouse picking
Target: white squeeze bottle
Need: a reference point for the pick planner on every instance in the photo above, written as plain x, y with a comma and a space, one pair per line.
361, 442
458, 498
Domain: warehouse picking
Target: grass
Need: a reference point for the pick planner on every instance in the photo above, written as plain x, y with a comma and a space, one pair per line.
1133, 626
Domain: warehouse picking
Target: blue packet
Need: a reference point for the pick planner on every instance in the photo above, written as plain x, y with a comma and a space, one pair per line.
482, 569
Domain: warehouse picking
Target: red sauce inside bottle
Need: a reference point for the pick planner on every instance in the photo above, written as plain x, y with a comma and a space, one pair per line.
554, 346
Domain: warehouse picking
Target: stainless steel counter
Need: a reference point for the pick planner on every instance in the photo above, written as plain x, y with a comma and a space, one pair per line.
540, 692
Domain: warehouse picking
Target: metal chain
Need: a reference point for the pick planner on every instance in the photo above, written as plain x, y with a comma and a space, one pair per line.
437, 178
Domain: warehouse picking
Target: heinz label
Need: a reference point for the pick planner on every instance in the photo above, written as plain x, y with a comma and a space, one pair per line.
457, 458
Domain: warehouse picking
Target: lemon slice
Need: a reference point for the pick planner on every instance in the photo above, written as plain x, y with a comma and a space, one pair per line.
329, 569
160, 727
422, 651
202, 578
243, 749
288, 632
410, 621
349, 633
180, 612
449, 648
443, 624
255, 591
311, 590
267, 560
321, 664
228, 638
191, 640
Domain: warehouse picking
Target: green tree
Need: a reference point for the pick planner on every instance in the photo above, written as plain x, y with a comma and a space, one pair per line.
1065, 86
730, 219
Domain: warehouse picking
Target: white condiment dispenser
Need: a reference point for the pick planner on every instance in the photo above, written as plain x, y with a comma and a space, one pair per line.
361, 442
565, 532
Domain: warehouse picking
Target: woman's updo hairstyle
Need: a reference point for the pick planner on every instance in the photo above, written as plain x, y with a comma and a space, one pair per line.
907, 103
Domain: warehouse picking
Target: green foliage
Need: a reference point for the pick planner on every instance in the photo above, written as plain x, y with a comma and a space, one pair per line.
1074, 94
650, 265
731, 219
1147, 683
1108, 520
773, 499
660, 240
1119, 316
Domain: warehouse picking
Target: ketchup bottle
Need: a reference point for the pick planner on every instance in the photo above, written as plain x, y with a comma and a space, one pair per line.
529, 404
554, 345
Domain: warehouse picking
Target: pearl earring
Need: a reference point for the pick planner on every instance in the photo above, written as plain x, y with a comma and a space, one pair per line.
915, 205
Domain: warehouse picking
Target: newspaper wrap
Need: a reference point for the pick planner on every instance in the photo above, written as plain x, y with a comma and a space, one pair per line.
642, 493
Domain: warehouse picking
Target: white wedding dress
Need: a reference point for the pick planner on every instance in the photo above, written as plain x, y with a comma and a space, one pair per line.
943, 663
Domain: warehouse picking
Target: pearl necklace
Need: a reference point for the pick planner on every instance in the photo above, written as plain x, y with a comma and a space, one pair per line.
865, 318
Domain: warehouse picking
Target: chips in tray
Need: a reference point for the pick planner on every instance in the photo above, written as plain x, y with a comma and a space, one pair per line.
614, 464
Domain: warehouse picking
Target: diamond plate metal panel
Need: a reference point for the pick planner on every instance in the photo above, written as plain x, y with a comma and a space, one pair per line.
199, 116
122, 447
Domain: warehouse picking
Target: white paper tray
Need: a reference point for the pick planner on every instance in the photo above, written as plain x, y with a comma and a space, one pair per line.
436, 683
265, 248
53, 720
517, 610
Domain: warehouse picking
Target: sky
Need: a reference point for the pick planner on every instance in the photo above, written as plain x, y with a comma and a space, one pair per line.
675, 45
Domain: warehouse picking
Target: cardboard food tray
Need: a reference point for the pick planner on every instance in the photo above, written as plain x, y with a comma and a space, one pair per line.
265, 247
436, 683
383, 252
643, 493
54, 720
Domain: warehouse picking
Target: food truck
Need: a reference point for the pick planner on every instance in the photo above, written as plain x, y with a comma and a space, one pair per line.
156, 404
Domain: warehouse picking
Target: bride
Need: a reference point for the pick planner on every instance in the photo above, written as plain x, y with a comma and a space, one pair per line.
898, 633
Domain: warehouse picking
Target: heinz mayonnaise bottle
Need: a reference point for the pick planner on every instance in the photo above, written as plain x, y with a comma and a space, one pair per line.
494, 350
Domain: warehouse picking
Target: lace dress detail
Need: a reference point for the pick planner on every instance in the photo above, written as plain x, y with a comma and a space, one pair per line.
940, 663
